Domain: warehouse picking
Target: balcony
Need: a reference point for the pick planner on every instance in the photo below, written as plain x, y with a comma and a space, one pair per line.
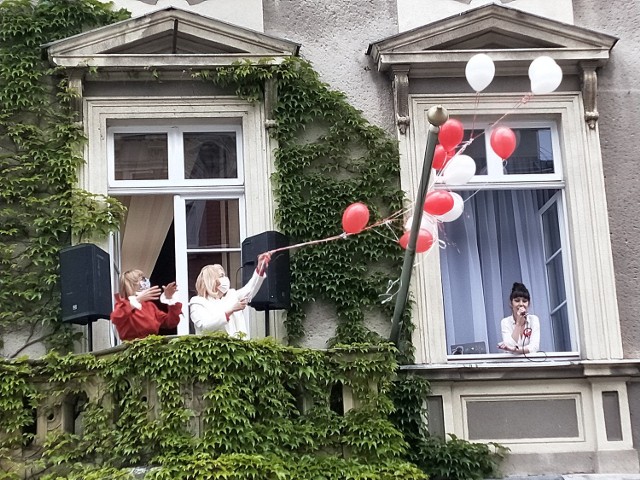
206, 402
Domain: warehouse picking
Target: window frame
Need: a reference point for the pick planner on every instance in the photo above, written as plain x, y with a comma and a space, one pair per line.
182, 263
512, 182
100, 113
175, 149
597, 326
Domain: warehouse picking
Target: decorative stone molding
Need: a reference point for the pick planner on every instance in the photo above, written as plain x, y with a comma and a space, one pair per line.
401, 96
190, 2
590, 93
75, 83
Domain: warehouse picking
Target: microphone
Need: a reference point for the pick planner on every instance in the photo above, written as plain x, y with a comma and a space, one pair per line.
522, 312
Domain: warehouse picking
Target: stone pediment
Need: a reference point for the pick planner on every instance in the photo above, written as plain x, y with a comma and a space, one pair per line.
169, 38
512, 37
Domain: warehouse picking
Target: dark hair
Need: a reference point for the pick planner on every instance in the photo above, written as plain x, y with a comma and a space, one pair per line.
519, 290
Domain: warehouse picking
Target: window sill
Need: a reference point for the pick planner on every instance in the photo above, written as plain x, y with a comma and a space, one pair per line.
501, 367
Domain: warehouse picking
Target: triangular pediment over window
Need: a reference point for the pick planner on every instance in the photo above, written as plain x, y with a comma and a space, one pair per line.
168, 38
514, 38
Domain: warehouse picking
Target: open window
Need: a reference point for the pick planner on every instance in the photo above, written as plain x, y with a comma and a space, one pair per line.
513, 229
183, 184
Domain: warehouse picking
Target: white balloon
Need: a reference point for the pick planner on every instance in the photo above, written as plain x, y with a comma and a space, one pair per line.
545, 75
459, 170
426, 223
480, 71
456, 210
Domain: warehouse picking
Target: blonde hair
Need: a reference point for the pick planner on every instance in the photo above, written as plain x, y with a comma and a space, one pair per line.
208, 280
130, 282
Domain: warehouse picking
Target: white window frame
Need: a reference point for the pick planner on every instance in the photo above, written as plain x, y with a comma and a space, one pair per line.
100, 113
180, 223
591, 265
494, 174
495, 179
175, 148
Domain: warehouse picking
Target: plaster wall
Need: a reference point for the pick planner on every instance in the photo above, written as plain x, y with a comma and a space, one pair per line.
415, 13
244, 13
619, 107
334, 37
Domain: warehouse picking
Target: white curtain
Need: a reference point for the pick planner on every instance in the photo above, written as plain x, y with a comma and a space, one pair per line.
496, 242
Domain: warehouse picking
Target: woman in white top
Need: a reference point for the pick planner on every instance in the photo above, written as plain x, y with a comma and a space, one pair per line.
520, 330
218, 307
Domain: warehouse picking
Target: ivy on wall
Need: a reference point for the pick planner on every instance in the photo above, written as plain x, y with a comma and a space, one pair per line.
40, 152
329, 156
264, 411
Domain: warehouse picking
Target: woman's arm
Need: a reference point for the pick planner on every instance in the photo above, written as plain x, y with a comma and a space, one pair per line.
251, 288
255, 282
508, 343
122, 310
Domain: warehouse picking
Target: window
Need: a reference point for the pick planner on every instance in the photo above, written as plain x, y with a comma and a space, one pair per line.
512, 230
572, 224
183, 185
154, 237
209, 231
175, 155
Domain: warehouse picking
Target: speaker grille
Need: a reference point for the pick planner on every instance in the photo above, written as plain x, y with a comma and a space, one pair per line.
85, 284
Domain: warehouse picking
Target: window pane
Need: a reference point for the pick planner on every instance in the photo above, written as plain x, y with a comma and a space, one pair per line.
210, 155
212, 224
230, 261
560, 322
141, 156
476, 150
497, 241
555, 273
551, 230
533, 153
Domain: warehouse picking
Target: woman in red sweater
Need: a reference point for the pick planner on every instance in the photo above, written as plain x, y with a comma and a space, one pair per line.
135, 314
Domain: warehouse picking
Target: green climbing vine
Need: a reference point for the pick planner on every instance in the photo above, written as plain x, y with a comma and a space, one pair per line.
40, 152
328, 157
204, 407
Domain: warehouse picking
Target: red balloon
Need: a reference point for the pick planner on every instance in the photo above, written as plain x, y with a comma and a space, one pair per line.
503, 142
423, 242
355, 217
439, 157
451, 134
438, 202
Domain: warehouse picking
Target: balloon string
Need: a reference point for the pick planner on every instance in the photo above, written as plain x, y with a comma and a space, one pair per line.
526, 98
343, 235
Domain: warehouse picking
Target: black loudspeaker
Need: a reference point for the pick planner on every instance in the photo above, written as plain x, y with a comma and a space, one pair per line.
85, 282
275, 291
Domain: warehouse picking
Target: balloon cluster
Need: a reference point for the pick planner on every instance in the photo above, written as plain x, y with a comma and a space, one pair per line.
454, 167
544, 73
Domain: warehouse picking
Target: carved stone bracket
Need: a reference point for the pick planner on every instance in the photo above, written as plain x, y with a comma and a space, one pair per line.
590, 93
401, 96
270, 99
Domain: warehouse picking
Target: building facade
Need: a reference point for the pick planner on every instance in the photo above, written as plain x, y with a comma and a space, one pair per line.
559, 215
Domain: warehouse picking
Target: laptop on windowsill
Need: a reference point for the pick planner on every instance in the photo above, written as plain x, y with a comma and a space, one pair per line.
472, 348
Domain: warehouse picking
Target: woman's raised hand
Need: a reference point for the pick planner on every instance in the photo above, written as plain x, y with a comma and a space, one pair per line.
170, 289
263, 262
152, 293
